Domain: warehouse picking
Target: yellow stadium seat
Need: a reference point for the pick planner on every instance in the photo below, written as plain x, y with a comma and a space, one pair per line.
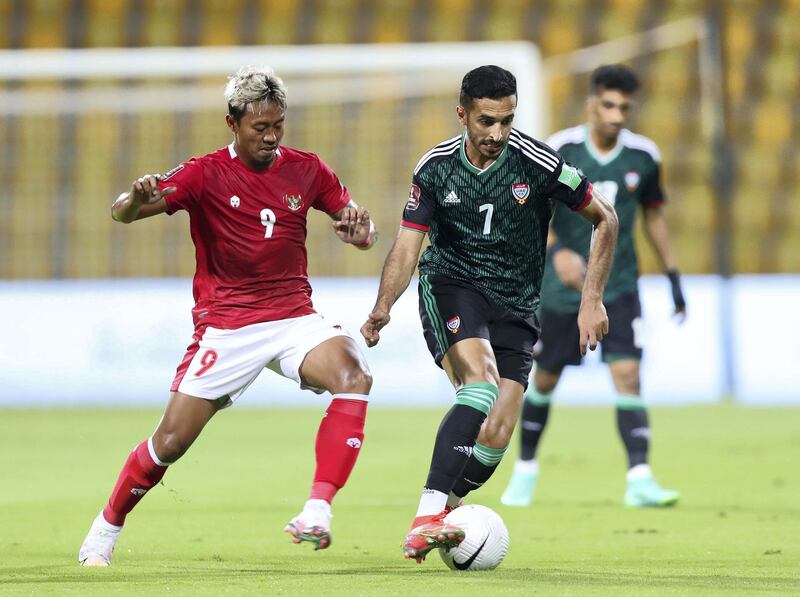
335, 21
44, 24
107, 22
163, 22
449, 20
773, 120
506, 20
221, 22
277, 22
393, 22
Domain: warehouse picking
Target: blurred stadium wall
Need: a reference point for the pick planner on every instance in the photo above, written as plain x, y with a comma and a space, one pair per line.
734, 205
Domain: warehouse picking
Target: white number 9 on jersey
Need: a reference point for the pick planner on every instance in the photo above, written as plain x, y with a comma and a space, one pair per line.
268, 220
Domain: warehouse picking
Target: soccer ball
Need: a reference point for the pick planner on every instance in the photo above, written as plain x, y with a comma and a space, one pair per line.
485, 541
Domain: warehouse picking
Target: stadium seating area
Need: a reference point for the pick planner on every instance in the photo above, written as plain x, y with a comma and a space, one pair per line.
56, 223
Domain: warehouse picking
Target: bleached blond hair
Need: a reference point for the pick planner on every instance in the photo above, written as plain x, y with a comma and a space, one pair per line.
251, 86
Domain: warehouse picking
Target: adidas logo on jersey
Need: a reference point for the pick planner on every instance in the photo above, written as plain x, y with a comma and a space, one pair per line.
451, 198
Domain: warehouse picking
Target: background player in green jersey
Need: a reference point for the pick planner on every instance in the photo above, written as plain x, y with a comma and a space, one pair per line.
485, 199
624, 167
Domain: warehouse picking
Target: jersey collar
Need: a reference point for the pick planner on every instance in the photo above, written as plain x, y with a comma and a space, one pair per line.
232, 154
474, 169
603, 160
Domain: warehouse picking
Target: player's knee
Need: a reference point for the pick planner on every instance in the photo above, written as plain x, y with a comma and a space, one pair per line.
355, 380
545, 382
627, 382
169, 447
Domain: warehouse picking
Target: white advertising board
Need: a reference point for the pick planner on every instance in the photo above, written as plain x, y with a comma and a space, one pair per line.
118, 342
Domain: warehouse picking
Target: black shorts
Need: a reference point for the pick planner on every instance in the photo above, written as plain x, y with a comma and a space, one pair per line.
560, 340
452, 310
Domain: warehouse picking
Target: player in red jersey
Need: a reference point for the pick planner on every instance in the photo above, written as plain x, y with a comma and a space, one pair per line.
248, 205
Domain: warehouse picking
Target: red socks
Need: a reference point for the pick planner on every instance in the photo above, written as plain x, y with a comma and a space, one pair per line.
338, 444
139, 474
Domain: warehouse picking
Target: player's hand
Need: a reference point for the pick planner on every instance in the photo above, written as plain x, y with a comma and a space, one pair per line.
145, 189
570, 267
592, 325
353, 225
375, 322
677, 296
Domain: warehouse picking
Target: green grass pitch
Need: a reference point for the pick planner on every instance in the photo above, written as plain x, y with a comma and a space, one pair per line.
214, 526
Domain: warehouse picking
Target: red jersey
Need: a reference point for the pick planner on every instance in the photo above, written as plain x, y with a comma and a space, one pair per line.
249, 232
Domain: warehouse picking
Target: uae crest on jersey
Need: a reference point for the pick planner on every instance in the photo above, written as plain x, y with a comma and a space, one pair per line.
632, 181
293, 202
521, 190
453, 324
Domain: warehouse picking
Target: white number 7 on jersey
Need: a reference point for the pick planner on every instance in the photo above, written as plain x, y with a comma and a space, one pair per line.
268, 220
487, 224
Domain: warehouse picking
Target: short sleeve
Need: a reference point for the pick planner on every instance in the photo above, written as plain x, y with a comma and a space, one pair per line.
187, 178
569, 186
419, 208
652, 193
331, 194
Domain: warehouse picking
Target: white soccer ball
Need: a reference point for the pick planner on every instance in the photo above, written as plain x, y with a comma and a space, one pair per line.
485, 541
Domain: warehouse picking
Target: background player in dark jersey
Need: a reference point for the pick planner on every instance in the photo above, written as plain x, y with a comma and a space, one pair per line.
485, 199
626, 169
248, 203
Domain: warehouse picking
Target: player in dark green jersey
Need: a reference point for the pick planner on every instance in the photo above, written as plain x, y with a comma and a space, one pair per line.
625, 168
485, 199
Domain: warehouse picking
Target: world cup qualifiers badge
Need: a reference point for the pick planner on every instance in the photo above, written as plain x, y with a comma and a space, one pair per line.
293, 202
413, 198
521, 191
453, 324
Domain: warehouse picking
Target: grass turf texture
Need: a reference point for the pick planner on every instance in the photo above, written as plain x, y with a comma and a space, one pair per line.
214, 527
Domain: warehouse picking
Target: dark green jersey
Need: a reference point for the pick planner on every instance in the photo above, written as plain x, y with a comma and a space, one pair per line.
629, 176
489, 227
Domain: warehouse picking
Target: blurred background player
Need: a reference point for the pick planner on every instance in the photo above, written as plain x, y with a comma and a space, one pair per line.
484, 199
248, 203
625, 168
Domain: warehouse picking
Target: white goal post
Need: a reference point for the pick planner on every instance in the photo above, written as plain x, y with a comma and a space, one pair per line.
425, 59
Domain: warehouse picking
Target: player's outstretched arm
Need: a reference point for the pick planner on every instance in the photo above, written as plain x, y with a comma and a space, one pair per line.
144, 199
657, 233
592, 318
353, 225
397, 271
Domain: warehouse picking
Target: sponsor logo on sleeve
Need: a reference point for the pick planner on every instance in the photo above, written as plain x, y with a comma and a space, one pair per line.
569, 176
293, 202
454, 324
172, 172
632, 180
413, 198
521, 191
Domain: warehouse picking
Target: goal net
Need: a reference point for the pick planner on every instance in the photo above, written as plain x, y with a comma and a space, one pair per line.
77, 126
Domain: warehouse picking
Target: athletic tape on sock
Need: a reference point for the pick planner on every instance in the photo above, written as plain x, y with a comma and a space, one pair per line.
536, 397
480, 396
630, 402
488, 456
